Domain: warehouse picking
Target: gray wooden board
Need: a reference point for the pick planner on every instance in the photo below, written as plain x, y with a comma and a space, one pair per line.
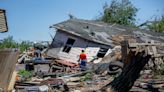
8, 59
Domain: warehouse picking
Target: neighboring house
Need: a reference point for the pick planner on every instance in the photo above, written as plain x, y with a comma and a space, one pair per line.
96, 38
3, 22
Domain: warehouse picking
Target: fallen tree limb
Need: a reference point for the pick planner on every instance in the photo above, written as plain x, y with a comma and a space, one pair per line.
131, 71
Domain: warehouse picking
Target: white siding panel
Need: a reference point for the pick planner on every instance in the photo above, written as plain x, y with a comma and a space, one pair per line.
91, 52
53, 52
91, 48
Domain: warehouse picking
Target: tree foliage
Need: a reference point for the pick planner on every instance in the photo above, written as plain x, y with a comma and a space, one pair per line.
120, 12
157, 25
9, 42
24, 45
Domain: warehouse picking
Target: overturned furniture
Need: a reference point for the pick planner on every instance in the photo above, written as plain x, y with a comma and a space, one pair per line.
134, 57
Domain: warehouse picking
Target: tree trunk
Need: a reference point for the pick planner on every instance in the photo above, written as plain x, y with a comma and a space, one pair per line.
131, 71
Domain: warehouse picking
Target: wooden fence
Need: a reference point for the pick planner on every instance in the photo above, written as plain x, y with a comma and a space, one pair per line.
8, 59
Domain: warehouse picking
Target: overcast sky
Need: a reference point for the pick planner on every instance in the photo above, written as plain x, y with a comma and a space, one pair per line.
30, 19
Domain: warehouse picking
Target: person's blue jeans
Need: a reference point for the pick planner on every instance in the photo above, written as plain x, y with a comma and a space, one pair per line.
83, 64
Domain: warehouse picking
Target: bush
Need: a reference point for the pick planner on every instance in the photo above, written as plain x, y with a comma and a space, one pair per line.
158, 73
10, 43
157, 25
161, 71
25, 74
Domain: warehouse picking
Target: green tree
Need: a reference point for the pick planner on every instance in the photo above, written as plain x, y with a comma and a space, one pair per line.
24, 45
156, 25
120, 12
9, 42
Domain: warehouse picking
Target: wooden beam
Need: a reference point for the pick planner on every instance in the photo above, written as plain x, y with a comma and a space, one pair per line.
145, 44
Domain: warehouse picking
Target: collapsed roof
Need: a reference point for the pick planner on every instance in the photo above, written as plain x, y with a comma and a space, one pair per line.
104, 33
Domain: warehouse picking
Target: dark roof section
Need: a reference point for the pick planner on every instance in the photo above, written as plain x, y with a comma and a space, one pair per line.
102, 32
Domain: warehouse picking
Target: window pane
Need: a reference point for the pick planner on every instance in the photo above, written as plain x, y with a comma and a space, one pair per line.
68, 45
102, 52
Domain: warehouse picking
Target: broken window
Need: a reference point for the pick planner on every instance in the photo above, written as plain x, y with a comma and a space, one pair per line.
68, 45
102, 52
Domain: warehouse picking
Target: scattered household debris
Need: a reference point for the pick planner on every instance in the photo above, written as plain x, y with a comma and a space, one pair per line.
61, 75
115, 57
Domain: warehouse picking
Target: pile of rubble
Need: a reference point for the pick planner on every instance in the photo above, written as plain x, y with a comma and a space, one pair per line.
40, 73
36, 71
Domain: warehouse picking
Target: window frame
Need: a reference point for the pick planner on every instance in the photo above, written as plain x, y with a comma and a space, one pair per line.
102, 50
67, 47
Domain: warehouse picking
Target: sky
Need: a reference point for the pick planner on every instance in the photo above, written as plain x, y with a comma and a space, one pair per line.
30, 19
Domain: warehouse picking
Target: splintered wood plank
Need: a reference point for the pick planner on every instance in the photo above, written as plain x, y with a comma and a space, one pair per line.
154, 48
147, 44
8, 59
12, 82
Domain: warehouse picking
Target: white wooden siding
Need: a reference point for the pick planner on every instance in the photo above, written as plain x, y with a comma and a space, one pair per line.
91, 48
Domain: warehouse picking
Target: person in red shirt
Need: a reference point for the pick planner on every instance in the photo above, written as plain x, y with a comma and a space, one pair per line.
83, 59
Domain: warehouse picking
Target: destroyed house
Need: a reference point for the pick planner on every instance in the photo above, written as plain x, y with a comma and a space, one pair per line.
96, 38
